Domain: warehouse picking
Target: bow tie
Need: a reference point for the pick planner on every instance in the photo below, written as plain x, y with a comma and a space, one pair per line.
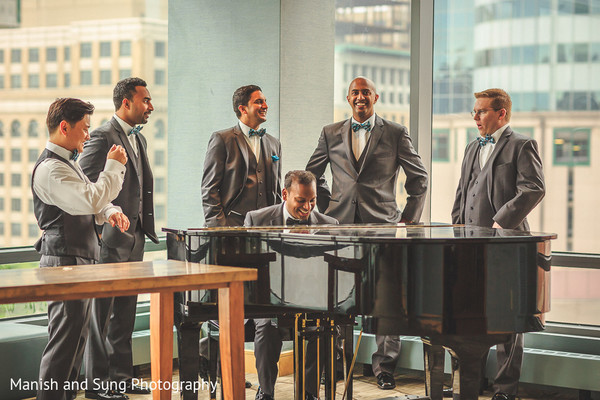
485, 140
260, 132
135, 130
365, 125
74, 155
293, 221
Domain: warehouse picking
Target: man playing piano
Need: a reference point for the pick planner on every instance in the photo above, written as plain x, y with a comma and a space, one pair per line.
300, 197
365, 154
501, 181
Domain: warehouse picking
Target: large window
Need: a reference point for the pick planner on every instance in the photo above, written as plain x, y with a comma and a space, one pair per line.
555, 101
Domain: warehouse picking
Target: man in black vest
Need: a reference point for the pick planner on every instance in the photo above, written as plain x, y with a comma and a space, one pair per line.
67, 206
109, 356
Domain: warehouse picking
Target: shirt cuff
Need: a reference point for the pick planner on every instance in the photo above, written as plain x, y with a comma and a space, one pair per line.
114, 166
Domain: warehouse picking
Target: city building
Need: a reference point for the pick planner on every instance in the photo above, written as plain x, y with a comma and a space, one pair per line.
62, 50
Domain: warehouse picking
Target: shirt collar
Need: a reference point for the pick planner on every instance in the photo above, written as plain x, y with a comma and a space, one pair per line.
124, 125
496, 135
245, 128
59, 150
371, 120
286, 214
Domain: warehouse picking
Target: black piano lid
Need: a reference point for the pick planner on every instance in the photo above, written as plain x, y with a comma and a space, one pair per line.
380, 233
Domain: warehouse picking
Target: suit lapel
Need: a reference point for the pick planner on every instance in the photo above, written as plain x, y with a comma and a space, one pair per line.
345, 132
374, 138
488, 168
470, 155
243, 146
125, 142
277, 216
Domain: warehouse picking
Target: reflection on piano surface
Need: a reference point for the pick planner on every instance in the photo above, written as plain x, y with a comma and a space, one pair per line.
445, 282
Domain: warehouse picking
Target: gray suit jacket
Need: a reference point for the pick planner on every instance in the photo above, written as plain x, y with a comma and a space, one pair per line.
273, 216
513, 176
371, 187
92, 162
226, 171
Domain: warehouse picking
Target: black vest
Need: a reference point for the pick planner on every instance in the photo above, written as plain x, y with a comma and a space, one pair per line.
64, 234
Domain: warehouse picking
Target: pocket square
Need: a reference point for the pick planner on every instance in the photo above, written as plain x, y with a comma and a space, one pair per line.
275, 157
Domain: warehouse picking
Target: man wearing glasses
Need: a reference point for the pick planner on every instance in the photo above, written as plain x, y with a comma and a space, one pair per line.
501, 181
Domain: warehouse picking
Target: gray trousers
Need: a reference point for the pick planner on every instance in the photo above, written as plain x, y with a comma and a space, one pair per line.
510, 360
68, 323
109, 356
385, 359
267, 349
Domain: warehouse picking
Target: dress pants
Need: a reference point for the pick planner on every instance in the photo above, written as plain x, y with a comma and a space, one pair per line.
68, 323
385, 359
268, 341
510, 360
108, 356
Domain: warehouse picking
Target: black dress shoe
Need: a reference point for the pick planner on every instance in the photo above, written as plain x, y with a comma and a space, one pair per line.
504, 396
248, 384
108, 395
260, 395
386, 381
448, 393
133, 388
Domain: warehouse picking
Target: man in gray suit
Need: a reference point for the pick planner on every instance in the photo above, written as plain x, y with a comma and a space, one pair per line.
501, 181
365, 154
242, 171
109, 356
300, 198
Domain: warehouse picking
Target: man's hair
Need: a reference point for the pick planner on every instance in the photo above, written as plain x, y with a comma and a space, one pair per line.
67, 109
125, 89
300, 176
241, 97
500, 99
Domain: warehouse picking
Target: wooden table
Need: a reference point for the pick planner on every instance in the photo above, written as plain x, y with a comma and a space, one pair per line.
161, 279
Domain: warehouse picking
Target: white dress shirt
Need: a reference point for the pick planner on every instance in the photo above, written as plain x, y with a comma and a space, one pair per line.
253, 141
486, 151
55, 183
360, 137
132, 139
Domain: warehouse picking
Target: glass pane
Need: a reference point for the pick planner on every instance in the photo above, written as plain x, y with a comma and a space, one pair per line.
554, 93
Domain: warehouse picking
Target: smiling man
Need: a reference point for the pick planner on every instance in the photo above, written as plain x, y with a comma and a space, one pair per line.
242, 168
365, 154
109, 356
501, 181
66, 205
300, 198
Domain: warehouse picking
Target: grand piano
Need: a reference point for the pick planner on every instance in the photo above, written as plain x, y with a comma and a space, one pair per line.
450, 284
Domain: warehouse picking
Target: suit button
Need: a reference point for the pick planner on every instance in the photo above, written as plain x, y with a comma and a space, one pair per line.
353, 201
259, 181
471, 208
470, 220
260, 194
258, 170
473, 194
476, 182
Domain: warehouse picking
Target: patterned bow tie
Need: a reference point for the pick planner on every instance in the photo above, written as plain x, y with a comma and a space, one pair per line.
135, 130
365, 125
293, 221
261, 132
74, 155
485, 140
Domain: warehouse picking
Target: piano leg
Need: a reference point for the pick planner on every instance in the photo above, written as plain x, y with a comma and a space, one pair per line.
469, 351
189, 357
348, 334
433, 360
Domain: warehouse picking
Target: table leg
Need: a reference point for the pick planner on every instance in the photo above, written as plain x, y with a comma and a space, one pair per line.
231, 340
161, 343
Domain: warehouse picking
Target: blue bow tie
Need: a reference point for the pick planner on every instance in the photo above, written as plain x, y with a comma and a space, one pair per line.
135, 130
261, 132
485, 140
365, 125
74, 155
